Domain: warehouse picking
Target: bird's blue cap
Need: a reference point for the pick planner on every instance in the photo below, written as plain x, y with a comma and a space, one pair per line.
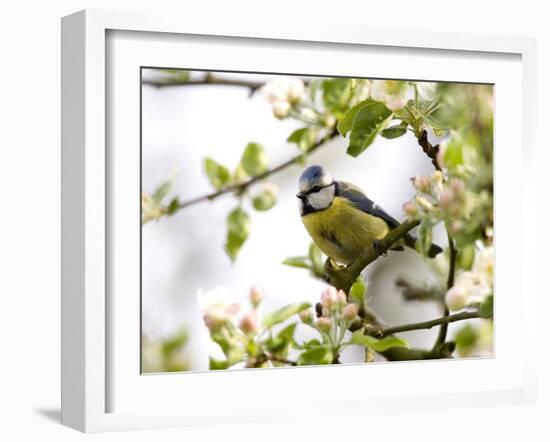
314, 176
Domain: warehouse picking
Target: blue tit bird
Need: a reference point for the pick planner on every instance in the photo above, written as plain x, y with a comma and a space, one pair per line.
340, 218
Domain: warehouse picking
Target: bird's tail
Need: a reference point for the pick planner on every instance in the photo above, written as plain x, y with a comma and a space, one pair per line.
410, 241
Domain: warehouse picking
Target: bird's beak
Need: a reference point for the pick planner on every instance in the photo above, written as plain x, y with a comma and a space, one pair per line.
301, 195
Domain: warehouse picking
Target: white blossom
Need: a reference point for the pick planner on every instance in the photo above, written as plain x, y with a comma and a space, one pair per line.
473, 286
427, 90
393, 93
282, 93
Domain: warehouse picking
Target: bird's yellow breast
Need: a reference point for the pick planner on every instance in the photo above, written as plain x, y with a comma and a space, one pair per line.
342, 231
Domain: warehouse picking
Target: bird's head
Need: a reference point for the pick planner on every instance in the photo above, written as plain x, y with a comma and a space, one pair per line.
316, 189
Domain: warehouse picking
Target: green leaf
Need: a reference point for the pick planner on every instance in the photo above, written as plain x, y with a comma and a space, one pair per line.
357, 291
336, 93
437, 126
346, 122
314, 88
453, 155
315, 255
173, 206
486, 308
175, 342
283, 314
465, 257
297, 261
217, 174
177, 74
378, 345
265, 200
282, 341
305, 138
466, 338
369, 121
394, 131
254, 159
162, 190
321, 355
312, 343
238, 229
217, 364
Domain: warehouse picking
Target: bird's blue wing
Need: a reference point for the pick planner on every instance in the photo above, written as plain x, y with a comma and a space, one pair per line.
362, 202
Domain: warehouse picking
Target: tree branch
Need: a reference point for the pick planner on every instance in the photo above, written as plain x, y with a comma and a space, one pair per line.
381, 332
439, 351
450, 282
209, 79
242, 186
343, 278
428, 148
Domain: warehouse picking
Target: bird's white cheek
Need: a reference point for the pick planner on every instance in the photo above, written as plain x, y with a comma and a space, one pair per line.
322, 199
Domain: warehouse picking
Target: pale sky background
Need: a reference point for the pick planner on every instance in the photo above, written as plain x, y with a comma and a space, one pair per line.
184, 253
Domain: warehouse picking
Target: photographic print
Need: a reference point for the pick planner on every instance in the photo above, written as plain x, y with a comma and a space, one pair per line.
293, 220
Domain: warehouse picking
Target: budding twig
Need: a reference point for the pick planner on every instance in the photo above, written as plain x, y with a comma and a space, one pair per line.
450, 282
381, 332
209, 79
428, 148
242, 186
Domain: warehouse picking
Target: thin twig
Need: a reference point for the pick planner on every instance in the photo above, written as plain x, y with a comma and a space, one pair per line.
209, 80
242, 186
445, 320
442, 335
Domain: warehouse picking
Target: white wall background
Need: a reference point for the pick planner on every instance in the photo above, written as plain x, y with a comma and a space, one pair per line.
29, 225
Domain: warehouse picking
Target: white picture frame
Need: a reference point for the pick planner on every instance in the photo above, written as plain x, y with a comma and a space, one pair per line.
86, 313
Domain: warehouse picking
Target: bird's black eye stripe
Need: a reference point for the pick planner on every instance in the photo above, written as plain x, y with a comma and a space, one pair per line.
318, 188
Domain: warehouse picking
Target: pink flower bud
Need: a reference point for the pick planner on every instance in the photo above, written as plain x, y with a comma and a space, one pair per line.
456, 298
422, 183
214, 318
350, 312
306, 316
410, 209
455, 227
256, 296
447, 198
457, 185
329, 297
341, 297
249, 323
324, 324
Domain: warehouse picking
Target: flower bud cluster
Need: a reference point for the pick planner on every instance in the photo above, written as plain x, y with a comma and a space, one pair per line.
220, 310
283, 93
334, 310
439, 198
473, 286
